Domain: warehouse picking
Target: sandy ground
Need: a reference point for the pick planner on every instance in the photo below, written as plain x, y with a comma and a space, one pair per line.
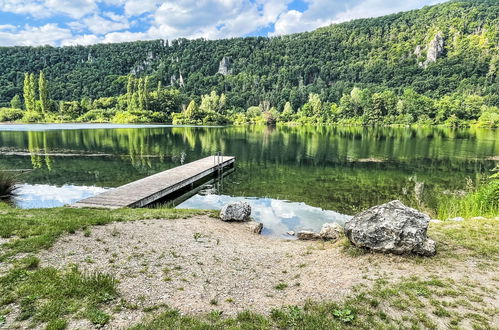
200, 264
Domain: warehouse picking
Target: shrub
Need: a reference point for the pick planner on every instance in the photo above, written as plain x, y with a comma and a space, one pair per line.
10, 114
97, 116
8, 187
32, 117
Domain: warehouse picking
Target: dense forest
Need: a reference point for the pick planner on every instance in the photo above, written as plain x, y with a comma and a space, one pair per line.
435, 65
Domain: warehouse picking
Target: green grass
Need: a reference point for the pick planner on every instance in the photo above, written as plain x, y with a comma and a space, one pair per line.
482, 201
48, 295
424, 302
471, 237
38, 229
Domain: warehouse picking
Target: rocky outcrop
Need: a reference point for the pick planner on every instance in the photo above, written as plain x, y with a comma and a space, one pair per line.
331, 231
238, 211
435, 48
391, 228
225, 66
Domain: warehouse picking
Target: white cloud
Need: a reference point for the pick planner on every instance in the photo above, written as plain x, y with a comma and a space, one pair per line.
162, 19
138, 7
48, 8
49, 34
214, 18
7, 27
325, 12
82, 40
100, 25
72, 8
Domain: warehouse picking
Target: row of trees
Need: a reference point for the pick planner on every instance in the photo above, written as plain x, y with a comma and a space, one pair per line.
142, 103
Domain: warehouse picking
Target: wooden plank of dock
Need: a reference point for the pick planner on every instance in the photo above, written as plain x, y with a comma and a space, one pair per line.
155, 187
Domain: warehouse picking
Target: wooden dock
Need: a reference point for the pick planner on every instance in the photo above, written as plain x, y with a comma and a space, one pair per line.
156, 187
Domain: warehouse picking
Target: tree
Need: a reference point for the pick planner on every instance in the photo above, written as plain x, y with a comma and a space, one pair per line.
43, 94
29, 92
192, 112
129, 91
287, 114
16, 103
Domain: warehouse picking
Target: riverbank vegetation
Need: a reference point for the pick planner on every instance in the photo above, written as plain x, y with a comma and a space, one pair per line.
359, 107
34, 294
481, 200
396, 69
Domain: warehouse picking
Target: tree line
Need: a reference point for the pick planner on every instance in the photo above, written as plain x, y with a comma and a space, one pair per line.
145, 103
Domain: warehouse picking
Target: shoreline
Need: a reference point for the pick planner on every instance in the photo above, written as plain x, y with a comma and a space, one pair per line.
196, 264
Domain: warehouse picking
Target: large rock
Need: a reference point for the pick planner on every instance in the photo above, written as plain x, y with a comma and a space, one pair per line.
238, 211
331, 231
391, 228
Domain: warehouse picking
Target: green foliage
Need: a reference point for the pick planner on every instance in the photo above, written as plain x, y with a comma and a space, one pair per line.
351, 65
43, 93
8, 183
10, 114
481, 201
16, 103
50, 295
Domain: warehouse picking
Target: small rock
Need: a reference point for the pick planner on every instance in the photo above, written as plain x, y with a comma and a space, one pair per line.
255, 227
456, 219
391, 228
478, 218
331, 231
307, 235
290, 233
435, 221
238, 211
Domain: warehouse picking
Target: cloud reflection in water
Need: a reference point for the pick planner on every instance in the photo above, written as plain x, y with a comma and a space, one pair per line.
277, 216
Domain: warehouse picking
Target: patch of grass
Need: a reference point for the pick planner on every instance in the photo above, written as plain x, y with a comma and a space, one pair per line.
50, 295
483, 200
469, 237
281, 286
37, 229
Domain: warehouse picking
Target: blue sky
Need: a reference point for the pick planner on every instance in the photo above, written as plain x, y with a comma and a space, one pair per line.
84, 22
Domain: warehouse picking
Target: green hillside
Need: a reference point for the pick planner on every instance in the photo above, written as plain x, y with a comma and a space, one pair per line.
444, 50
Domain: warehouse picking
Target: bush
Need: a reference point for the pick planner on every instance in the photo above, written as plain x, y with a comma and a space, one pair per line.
97, 116
7, 185
32, 117
489, 118
483, 201
10, 114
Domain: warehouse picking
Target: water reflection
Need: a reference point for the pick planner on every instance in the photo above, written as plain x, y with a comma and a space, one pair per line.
278, 216
45, 196
344, 169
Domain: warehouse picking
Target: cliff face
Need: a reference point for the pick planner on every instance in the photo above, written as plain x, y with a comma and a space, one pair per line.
225, 66
436, 49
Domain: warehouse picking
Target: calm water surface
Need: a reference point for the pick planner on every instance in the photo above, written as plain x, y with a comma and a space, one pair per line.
295, 178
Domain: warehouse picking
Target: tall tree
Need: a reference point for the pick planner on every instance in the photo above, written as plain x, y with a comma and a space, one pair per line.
29, 92
43, 93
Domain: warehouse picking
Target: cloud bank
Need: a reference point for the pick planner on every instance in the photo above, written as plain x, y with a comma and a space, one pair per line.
84, 22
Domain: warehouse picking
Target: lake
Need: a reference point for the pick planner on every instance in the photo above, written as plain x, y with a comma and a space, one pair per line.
294, 177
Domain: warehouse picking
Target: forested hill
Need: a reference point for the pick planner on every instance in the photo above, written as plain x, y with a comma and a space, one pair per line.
438, 50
